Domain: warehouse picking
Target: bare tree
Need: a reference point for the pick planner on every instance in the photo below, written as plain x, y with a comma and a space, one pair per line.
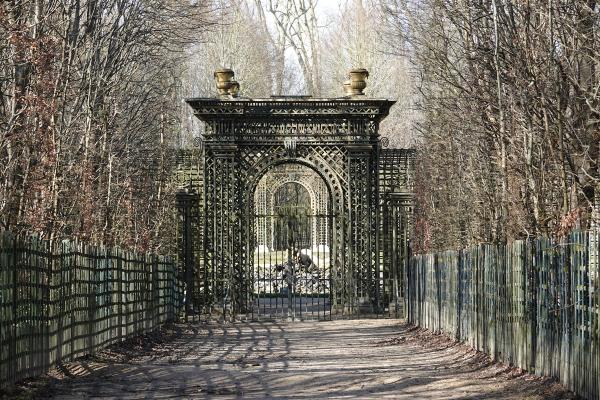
356, 40
510, 138
297, 28
89, 110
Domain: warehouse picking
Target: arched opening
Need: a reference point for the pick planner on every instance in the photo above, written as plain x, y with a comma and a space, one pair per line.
292, 201
292, 232
298, 188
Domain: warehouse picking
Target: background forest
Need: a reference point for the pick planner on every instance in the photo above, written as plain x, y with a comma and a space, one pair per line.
499, 97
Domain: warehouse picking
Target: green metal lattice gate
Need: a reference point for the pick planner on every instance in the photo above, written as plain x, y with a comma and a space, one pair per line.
292, 278
338, 141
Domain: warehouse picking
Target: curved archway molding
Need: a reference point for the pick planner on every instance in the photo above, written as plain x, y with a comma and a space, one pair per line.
264, 203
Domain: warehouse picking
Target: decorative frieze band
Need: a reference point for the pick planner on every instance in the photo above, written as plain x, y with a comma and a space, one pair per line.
341, 127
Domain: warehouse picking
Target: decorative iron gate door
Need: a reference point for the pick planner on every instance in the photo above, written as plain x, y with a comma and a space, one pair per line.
246, 139
292, 278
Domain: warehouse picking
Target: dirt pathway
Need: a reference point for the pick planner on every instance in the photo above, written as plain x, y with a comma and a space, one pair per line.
344, 359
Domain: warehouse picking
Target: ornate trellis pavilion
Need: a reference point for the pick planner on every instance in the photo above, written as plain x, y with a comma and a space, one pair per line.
360, 205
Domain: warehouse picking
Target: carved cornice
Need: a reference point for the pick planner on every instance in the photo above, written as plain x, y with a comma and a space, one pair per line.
211, 109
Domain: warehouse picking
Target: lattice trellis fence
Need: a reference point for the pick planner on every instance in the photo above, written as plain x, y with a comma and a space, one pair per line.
533, 304
65, 300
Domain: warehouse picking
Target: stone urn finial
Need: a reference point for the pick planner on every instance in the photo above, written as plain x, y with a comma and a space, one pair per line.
357, 82
234, 89
348, 87
223, 77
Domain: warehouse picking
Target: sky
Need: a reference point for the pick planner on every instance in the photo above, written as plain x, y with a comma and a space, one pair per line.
327, 9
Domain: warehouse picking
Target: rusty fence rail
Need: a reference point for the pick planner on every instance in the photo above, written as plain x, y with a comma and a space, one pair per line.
59, 301
533, 304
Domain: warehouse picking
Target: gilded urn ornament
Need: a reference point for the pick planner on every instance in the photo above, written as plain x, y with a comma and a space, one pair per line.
358, 81
347, 87
223, 77
234, 89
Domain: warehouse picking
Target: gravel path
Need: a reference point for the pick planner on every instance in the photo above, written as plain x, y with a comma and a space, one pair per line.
366, 359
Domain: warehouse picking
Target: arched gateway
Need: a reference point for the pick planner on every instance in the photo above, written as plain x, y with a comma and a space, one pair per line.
331, 149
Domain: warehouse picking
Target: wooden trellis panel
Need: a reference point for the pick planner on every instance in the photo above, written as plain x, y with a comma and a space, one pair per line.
66, 300
532, 304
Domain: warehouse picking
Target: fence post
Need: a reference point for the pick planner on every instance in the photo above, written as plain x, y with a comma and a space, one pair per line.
531, 260
459, 291
119, 255
63, 302
154, 301
11, 271
47, 305
176, 291
89, 258
408, 284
